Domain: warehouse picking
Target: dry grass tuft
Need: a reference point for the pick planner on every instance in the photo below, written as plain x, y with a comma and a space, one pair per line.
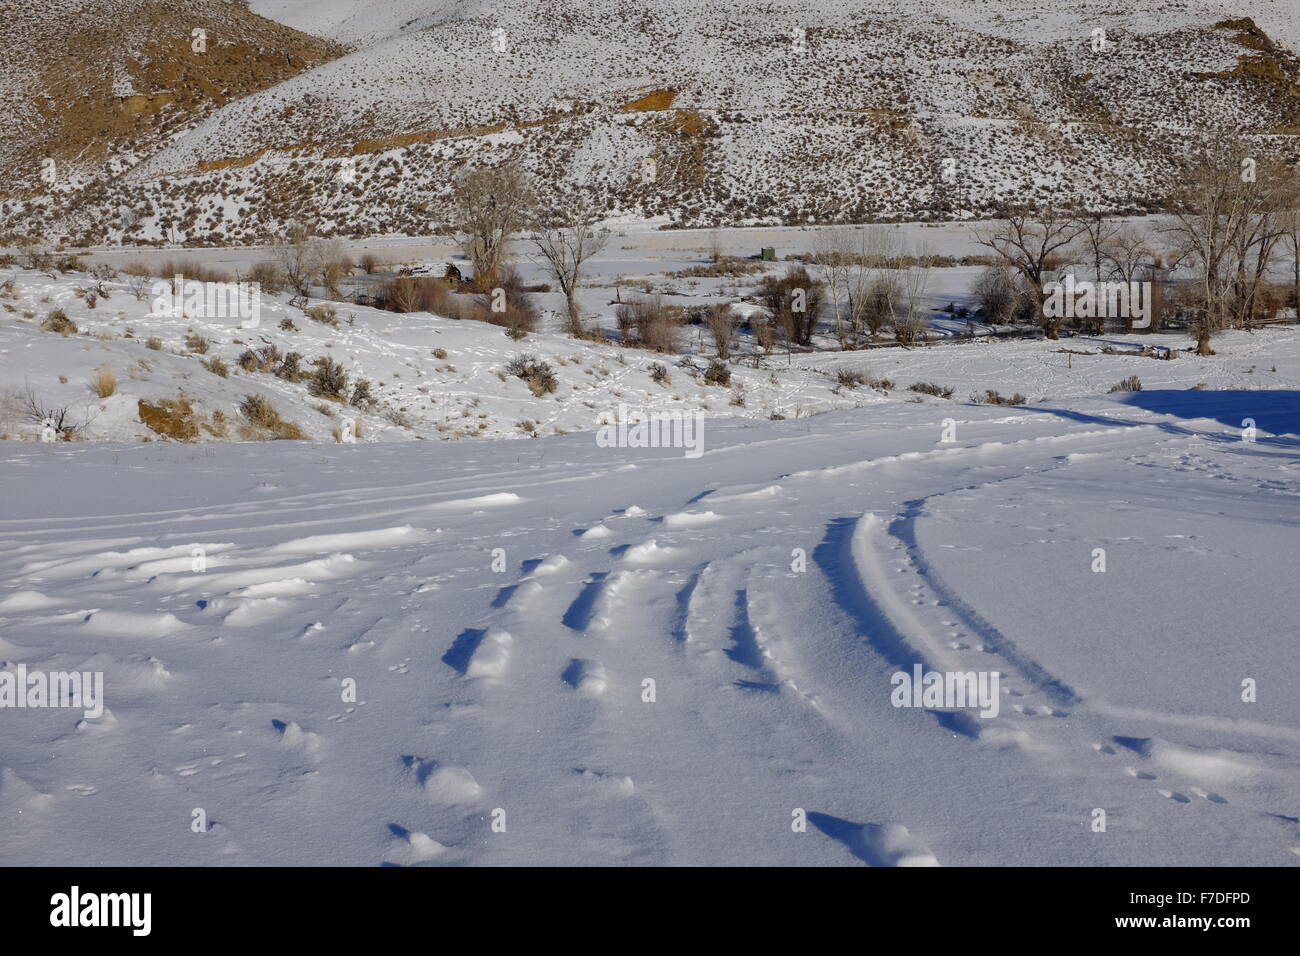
104, 383
264, 422
58, 321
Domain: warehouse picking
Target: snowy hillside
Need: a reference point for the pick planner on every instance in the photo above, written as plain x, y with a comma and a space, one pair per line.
366, 21
91, 89
563, 653
722, 112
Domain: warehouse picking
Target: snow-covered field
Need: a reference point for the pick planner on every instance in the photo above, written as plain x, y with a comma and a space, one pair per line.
428, 647
500, 608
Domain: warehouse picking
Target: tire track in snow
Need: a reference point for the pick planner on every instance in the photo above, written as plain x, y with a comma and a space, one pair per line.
1085, 722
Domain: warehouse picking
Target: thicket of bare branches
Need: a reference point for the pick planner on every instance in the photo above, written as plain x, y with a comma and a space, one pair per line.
647, 323
722, 324
300, 259
507, 305
997, 294
795, 302
909, 321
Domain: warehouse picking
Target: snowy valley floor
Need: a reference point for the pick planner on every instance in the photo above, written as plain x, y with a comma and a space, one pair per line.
517, 695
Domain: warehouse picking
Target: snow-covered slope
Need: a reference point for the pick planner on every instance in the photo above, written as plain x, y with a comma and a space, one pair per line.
361, 21
559, 653
701, 113
89, 88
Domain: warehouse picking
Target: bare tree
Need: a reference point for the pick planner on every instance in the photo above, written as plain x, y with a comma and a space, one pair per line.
1256, 247
1032, 243
834, 253
298, 257
715, 245
491, 204
334, 265
1291, 243
1097, 231
874, 290
567, 239
1129, 255
909, 324
1227, 225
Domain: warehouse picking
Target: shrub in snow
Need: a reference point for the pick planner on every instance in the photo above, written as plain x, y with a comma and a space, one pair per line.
722, 324
795, 303
996, 293
170, 417
649, 324
324, 314
58, 321
361, 395
507, 305
329, 380
990, 397
270, 279
258, 409
852, 378
538, 374
717, 374
929, 388
33, 410
265, 422
289, 369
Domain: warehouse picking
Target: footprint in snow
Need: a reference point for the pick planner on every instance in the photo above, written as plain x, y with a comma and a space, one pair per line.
443, 783
586, 677
1141, 774
877, 844
412, 846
